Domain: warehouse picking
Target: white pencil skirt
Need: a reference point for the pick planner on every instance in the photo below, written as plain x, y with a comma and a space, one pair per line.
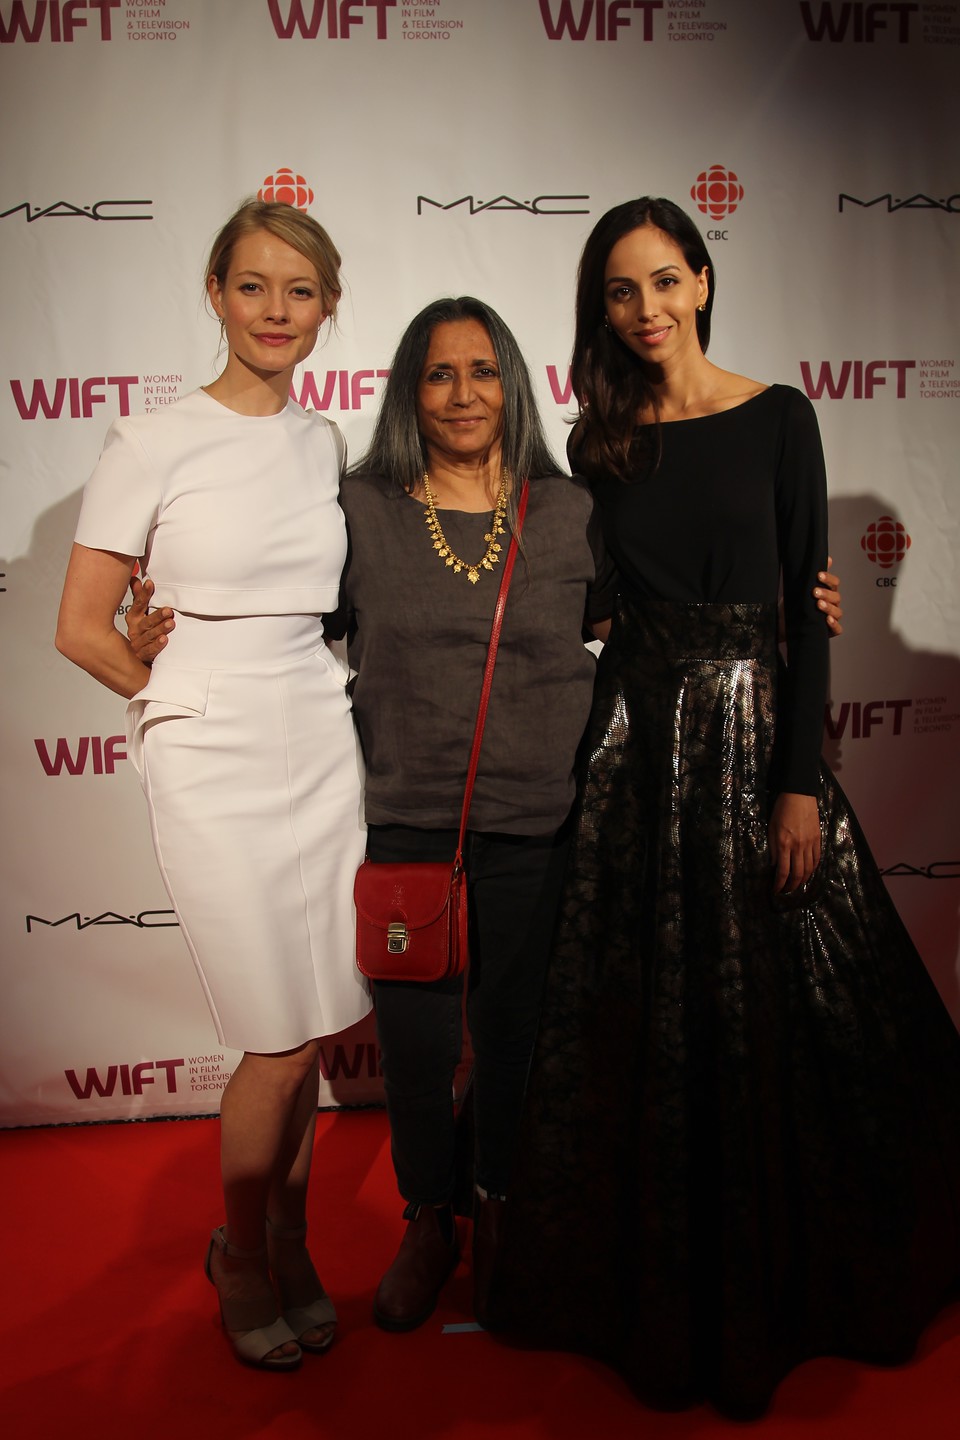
249, 761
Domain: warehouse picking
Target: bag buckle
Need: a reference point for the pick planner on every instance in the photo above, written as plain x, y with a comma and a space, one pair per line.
397, 937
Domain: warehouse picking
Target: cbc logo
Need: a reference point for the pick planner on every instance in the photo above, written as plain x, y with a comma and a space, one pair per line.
885, 543
717, 192
287, 188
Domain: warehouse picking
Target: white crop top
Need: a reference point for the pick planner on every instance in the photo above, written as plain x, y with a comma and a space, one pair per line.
229, 514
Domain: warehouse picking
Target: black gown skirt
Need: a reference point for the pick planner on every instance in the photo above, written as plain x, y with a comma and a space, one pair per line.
741, 1144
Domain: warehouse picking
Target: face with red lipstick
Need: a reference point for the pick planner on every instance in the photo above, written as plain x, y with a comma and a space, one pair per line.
651, 296
271, 304
459, 396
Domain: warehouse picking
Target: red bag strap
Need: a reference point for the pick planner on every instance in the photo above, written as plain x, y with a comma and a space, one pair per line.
501, 605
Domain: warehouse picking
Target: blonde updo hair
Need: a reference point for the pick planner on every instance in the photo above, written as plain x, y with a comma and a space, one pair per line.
287, 223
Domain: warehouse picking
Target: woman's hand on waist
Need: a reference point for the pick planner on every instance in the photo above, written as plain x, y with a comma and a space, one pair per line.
147, 633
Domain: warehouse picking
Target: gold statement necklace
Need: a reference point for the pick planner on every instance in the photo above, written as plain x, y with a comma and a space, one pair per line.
448, 556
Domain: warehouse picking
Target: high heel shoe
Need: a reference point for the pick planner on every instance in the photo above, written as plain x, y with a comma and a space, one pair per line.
305, 1304
247, 1323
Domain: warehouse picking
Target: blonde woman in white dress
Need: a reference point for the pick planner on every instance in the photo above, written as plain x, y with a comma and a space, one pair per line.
243, 737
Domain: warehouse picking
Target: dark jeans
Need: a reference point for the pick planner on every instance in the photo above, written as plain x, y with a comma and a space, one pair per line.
514, 886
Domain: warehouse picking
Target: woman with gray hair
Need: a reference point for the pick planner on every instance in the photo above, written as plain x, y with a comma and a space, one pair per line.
457, 433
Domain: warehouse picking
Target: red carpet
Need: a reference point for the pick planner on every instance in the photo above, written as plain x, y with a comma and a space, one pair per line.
108, 1327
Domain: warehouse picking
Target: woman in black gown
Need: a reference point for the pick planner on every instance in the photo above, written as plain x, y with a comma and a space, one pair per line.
742, 1139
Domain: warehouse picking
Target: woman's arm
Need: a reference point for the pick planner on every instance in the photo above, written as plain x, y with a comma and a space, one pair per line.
801, 504
95, 584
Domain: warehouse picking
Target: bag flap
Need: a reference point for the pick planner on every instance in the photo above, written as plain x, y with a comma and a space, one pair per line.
414, 893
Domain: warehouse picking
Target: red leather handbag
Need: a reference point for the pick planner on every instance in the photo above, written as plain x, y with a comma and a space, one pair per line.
412, 916
411, 919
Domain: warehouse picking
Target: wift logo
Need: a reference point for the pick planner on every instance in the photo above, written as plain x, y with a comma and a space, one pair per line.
596, 19
80, 396
351, 389
561, 390
861, 718
341, 16
60, 17
337, 1063
859, 22
866, 376
132, 1078
103, 753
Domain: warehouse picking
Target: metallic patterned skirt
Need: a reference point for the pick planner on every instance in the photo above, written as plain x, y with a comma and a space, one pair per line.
741, 1144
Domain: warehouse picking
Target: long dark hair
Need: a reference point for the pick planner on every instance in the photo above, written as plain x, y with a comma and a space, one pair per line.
396, 448
608, 379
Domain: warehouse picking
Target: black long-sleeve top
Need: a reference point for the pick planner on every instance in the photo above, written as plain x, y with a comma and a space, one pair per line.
737, 498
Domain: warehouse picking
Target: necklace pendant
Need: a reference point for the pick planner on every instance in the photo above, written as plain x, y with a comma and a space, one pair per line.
449, 557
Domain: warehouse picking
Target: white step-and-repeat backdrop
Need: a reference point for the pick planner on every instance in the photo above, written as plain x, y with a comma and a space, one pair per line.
449, 147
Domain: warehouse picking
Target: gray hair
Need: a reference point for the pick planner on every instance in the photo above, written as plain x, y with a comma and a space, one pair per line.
396, 448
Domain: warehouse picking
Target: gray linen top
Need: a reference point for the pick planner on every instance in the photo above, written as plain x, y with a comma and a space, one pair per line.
418, 636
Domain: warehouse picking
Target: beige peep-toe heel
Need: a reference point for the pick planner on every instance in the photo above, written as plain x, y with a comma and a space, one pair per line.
305, 1304
253, 1331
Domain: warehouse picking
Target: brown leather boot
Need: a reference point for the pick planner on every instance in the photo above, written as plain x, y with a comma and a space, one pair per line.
488, 1219
407, 1295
